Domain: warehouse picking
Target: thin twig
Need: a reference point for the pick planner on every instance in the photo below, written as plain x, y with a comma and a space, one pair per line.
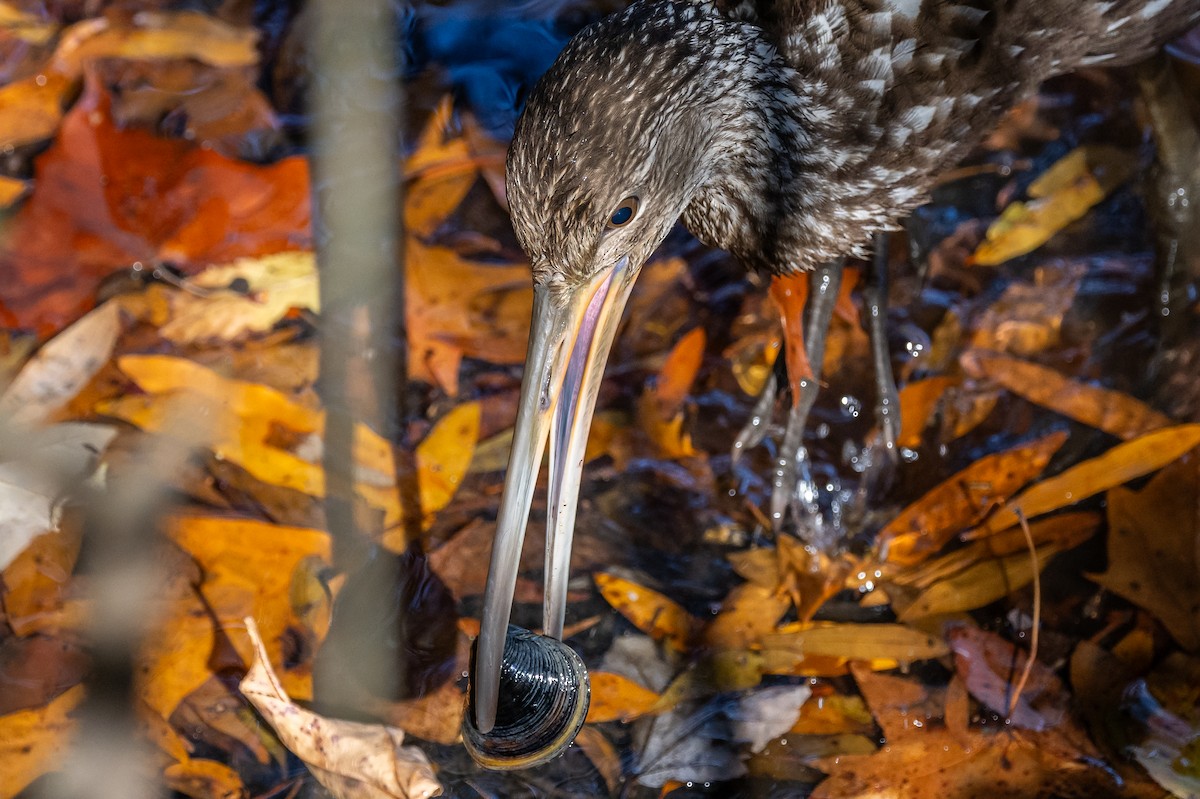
1036, 620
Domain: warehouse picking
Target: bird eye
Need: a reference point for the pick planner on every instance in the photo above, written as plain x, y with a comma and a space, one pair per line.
624, 213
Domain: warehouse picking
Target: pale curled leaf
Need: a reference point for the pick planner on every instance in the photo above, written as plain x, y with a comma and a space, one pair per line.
350, 759
62, 367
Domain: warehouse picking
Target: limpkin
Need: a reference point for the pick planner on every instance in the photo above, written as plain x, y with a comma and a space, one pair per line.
789, 133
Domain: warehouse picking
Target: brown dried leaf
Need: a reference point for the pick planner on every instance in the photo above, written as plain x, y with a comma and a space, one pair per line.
1027, 318
1154, 548
748, 613
351, 760
917, 403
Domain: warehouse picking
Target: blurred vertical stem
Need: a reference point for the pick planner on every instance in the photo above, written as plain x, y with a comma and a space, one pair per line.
356, 107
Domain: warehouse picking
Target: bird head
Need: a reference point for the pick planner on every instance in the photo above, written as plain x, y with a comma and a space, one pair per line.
613, 144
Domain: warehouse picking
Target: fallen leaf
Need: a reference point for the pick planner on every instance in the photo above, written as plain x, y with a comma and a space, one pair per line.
869, 642
348, 758
603, 755
210, 310
656, 615
900, 706
31, 487
62, 367
12, 190
767, 713
678, 372
918, 400
1028, 316
247, 568
202, 779
153, 34
35, 595
1111, 411
32, 742
962, 500
747, 613
1153, 541
245, 423
990, 667
106, 198
1115, 467
456, 307
1067, 191
617, 698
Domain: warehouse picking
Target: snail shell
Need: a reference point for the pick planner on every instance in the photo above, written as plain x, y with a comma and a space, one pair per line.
544, 696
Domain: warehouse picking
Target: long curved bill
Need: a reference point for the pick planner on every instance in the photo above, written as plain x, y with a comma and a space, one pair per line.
568, 345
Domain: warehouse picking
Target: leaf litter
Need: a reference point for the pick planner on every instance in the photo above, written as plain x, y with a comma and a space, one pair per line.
722, 656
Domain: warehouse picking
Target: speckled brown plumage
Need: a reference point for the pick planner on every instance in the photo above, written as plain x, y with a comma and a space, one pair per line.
788, 132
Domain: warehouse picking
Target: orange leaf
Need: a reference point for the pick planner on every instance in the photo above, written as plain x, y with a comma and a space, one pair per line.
617, 698
654, 614
33, 742
962, 500
790, 293
917, 402
1118, 466
105, 198
1111, 411
679, 371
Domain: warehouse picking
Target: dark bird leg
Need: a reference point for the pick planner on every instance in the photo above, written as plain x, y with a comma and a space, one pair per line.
877, 478
790, 487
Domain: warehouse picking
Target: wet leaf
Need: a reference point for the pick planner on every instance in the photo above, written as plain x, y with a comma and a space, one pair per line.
917, 403
35, 584
603, 754
1066, 192
990, 666
901, 706
246, 420
1119, 465
457, 307
1028, 317
869, 642
348, 758
1111, 411
202, 779
767, 713
32, 742
790, 294
247, 569
678, 372
1153, 541
931, 522
151, 34
617, 698
61, 368
748, 613
654, 614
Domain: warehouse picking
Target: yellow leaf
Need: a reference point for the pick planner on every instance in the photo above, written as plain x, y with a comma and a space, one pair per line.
894, 642
654, 614
1064, 194
917, 402
33, 742
182, 34
32, 108
247, 569
275, 284
679, 371
1118, 466
244, 420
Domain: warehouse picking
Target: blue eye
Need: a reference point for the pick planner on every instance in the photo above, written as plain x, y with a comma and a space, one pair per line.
624, 213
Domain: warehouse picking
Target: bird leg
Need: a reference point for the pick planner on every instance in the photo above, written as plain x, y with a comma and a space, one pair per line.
791, 485
884, 456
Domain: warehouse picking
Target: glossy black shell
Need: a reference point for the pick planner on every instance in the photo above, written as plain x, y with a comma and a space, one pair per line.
544, 696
